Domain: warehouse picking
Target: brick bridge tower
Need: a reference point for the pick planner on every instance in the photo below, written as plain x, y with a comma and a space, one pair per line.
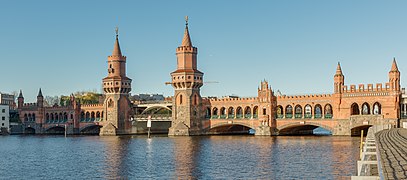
394, 81
116, 87
187, 80
339, 82
40, 105
267, 107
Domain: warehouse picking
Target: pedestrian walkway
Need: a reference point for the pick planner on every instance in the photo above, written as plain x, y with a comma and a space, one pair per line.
392, 146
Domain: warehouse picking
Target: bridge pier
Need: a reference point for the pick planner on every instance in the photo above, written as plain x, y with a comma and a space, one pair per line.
265, 131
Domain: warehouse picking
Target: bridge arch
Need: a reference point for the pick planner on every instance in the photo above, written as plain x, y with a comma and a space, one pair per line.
356, 130
226, 128
296, 128
155, 110
91, 129
29, 130
55, 130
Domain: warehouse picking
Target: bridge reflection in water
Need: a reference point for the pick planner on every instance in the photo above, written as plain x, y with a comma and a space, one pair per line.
203, 157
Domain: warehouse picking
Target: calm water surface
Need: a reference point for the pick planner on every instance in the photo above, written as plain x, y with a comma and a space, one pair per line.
207, 157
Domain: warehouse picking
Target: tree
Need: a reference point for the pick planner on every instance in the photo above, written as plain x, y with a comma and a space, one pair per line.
52, 100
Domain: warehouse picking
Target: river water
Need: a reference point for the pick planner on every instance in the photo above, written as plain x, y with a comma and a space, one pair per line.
205, 157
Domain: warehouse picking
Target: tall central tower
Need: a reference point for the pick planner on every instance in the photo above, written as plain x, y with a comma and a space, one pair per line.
187, 81
116, 87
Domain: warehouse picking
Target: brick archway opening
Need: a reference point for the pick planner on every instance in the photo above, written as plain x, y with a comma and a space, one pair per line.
230, 129
356, 131
29, 130
56, 130
307, 129
91, 130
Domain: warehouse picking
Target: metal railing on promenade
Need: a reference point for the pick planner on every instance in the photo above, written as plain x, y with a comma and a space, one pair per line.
369, 165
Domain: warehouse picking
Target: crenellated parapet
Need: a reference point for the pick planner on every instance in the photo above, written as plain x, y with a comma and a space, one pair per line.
92, 107
301, 97
378, 87
243, 99
29, 104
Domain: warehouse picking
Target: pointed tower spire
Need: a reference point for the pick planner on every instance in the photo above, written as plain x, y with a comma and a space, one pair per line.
394, 67
21, 94
116, 48
338, 69
39, 93
186, 41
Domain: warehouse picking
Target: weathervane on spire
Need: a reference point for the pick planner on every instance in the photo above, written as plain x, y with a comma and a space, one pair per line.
186, 20
117, 31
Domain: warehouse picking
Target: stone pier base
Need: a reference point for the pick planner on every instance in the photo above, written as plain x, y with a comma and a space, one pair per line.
265, 131
183, 130
108, 130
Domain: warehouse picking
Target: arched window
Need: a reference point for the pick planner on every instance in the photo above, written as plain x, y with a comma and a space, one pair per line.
328, 111
56, 117
87, 116
318, 111
33, 116
247, 112
82, 116
47, 117
52, 117
231, 113
289, 111
223, 112
29, 117
308, 111
208, 113
97, 116
65, 116
255, 112
280, 112
239, 112
377, 108
365, 109
92, 116
25, 117
110, 103
355, 109
180, 99
215, 112
298, 111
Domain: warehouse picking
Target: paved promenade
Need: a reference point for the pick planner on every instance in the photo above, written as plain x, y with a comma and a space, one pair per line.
392, 145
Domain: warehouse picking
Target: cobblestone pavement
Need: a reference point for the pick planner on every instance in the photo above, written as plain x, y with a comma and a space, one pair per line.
392, 146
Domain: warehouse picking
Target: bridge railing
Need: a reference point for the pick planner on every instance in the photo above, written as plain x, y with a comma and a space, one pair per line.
154, 116
55, 121
328, 116
91, 119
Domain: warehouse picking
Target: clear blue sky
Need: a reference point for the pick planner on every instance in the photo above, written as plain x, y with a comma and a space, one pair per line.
62, 46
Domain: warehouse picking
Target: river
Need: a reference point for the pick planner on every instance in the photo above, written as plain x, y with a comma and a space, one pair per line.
204, 157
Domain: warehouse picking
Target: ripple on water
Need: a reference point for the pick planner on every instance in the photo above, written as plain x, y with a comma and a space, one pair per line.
206, 157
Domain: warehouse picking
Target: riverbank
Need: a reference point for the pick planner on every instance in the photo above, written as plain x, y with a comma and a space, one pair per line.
384, 154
